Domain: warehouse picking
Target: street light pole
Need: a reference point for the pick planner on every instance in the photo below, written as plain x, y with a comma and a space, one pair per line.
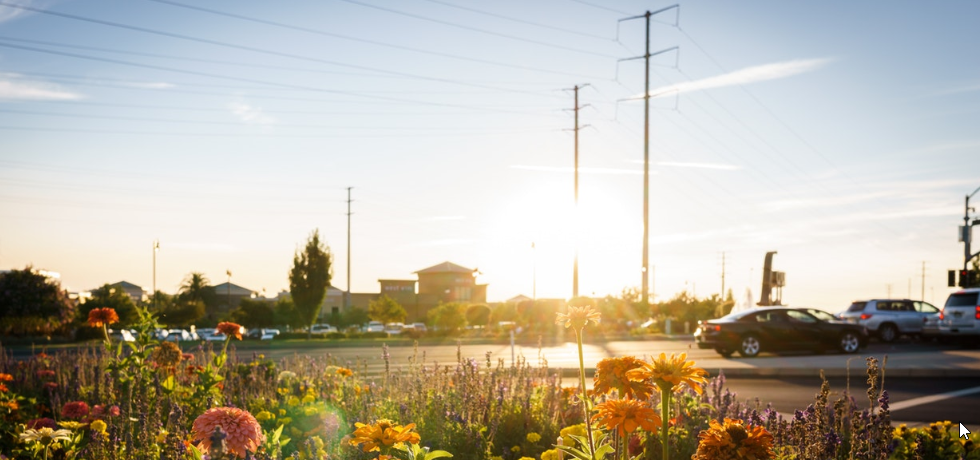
967, 234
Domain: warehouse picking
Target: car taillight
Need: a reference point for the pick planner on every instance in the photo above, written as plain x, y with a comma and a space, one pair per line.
717, 328
977, 314
865, 316
942, 314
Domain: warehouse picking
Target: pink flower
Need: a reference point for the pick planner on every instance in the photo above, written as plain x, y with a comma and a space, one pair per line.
45, 373
114, 410
243, 432
42, 423
50, 386
75, 410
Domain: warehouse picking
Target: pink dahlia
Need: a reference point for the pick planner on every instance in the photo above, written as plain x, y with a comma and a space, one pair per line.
242, 431
75, 410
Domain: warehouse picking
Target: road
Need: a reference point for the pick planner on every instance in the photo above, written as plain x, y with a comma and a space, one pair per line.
926, 382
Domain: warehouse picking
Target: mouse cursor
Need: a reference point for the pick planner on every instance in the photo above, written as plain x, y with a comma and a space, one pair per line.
963, 431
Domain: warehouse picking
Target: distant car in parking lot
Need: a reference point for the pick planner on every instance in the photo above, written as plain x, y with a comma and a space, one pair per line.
212, 336
890, 318
178, 335
122, 335
960, 316
374, 326
394, 328
322, 329
777, 329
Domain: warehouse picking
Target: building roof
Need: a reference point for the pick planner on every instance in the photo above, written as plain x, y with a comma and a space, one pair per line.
446, 267
519, 298
223, 289
126, 285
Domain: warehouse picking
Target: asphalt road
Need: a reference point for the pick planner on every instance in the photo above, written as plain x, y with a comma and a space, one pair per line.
913, 400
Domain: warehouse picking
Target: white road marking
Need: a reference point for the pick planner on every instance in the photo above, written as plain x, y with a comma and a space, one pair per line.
931, 399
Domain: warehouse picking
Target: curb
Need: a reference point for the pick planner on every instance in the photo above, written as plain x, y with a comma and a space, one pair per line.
806, 372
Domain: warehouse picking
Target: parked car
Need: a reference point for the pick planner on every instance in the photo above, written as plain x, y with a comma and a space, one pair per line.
394, 328
323, 328
178, 335
122, 335
822, 315
960, 316
262, 333
374, 326
212, 336
776, 329
889, 318
419, 327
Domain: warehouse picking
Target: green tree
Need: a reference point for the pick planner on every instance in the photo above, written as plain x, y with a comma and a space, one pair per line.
182, 313
386, 310
284, 312
478, 315
309, 278
197, 287
448, 316
253, 313
110, 297
354, 316
32, 303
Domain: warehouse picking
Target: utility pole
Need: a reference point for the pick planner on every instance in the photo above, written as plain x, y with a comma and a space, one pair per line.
153, 300
923, 295
722, 275
576, 130
644, 295
347, 294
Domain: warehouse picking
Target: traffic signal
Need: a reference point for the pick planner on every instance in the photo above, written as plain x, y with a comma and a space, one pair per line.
951, 278
969, 278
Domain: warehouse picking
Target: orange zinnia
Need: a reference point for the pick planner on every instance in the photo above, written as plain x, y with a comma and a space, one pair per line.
383, 433
99, 317
230, 329
243, 433
610, 374
733, 440
625, 415
6, 377
669, 373
578, 317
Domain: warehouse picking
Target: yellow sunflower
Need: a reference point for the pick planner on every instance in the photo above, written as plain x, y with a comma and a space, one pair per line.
578, 317
732, 440
670, 373
610, 374
626, 415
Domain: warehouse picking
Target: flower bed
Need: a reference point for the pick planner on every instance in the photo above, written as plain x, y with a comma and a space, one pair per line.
150, 400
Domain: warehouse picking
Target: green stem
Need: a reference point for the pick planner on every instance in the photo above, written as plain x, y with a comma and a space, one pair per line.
665, 419
585, 396
105, 334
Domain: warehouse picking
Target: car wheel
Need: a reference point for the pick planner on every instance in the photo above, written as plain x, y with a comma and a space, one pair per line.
849, 342
887, 332
750, 346
724, 352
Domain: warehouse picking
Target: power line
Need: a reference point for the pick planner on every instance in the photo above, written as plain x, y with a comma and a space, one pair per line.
362, 40
240, 47
512, 19
276, 136
601, 7
227, 77
475, 29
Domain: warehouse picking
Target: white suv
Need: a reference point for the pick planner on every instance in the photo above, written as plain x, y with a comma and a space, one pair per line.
889, 318
961, 314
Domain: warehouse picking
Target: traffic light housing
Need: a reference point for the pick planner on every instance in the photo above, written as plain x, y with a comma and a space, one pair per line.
969, 278
951, 278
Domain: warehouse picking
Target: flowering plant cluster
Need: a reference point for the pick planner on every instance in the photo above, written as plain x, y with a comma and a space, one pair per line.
147, 399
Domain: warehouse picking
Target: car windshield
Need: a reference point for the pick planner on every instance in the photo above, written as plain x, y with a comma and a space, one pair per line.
962, 299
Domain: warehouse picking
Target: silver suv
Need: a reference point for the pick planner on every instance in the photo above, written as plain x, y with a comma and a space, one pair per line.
961, 314
889, 318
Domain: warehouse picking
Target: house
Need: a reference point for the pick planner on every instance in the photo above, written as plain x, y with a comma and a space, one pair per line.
137, 293
229, 295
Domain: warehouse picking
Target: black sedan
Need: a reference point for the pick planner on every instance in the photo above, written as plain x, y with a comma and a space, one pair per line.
777, 329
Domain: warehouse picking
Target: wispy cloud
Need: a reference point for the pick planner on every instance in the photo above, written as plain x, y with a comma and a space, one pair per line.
744, 76
581, 170
726, 167
250, 114
30, 90
7, 13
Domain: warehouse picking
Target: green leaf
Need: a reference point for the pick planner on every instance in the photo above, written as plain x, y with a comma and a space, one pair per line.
169, 384
437, 454
195, 452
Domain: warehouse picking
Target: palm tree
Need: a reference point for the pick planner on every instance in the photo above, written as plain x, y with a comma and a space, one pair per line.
196, 287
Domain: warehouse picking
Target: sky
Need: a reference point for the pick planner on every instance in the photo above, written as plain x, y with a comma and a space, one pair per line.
840, 134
